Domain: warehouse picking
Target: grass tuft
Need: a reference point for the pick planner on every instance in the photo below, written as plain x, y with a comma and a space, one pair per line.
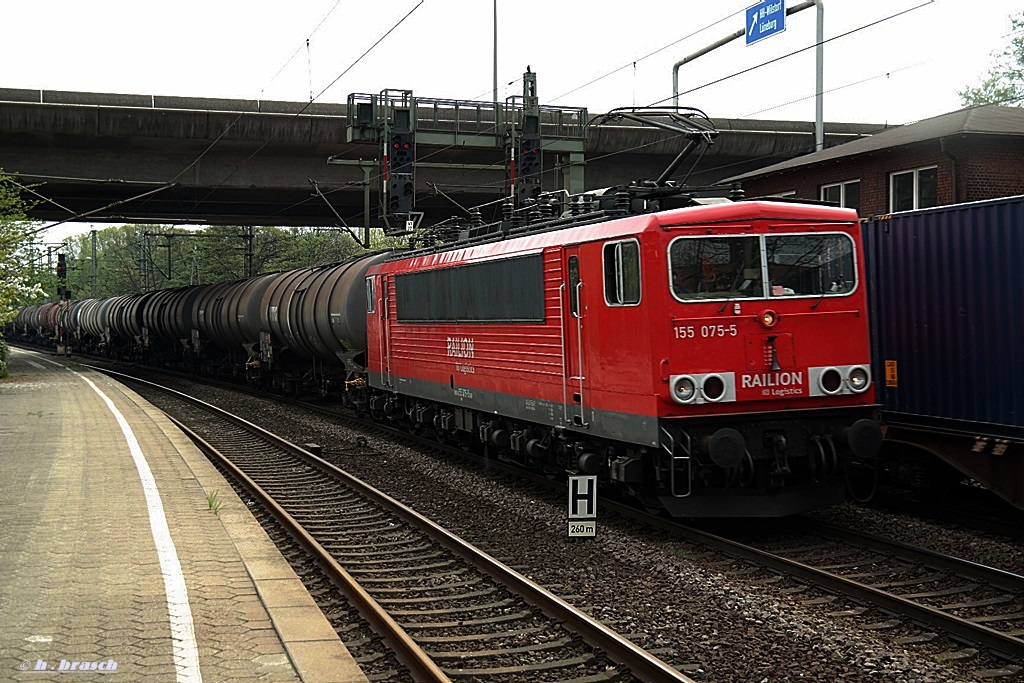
213, 502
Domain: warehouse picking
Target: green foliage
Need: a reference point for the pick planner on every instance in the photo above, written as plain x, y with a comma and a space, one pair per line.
4, 354
136, 258
214, 503
17, 284
1005, 81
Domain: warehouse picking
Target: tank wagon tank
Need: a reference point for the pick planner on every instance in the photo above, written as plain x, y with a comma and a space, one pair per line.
947, 339
94, 322
27, 320
49, 317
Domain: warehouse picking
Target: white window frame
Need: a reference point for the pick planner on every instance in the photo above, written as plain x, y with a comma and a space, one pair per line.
917, 186
371, 295
619, 283
842, 191
765, 272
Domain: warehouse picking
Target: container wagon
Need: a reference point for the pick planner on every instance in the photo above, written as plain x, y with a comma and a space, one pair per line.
947, 307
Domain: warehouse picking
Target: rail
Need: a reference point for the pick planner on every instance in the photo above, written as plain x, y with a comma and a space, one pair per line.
617, 649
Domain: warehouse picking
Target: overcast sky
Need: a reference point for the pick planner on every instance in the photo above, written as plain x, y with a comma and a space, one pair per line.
897, 71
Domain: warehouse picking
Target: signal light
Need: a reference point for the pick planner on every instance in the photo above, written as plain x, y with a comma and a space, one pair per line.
403, 151
62, 266
401, 193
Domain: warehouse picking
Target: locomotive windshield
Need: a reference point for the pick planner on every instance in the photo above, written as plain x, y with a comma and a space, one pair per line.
759, 267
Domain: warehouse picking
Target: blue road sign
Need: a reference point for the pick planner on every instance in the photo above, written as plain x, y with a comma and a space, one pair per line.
765, 19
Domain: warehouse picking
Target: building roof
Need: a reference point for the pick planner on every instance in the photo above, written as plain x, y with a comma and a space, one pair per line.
989, 119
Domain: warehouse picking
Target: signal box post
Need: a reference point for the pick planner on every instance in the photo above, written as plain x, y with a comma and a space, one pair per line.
528, 160
400, 158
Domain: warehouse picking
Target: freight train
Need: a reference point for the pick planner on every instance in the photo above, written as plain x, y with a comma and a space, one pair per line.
947, 338
710, 360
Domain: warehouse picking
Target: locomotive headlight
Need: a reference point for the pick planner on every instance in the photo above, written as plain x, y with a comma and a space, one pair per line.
858, 379
768, 318
713, 388
831, 381
683, 389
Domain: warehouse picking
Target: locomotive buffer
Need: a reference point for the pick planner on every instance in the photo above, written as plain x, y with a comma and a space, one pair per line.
583, 505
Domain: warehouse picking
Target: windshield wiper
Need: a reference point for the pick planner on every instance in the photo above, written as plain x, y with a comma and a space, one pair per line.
818, 300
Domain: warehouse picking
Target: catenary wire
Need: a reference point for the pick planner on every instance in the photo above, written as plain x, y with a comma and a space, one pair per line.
737, 73
493, 128
640, 59
795, 52
251, 106
306, 106
497, 166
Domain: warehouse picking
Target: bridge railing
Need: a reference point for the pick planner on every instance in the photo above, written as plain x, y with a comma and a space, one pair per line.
467, 123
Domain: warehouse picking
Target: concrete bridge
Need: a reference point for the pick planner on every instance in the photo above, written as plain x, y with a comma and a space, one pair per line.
251, 163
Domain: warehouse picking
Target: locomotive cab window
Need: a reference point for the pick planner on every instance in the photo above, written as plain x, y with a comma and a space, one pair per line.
715, 268
810, 265
622, 273
370, 297
574, 286
758, 267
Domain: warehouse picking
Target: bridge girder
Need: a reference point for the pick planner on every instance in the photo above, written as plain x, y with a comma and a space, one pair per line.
242, 163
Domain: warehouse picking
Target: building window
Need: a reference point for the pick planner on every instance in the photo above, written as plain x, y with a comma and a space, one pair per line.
917, 189
844, 194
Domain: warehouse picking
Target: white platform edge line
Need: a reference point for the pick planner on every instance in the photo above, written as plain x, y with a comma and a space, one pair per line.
186, 651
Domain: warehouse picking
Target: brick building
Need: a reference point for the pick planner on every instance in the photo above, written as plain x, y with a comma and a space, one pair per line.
967, 155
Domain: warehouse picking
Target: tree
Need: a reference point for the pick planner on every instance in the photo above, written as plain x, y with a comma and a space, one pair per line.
1005, 81
130, 259
17, 286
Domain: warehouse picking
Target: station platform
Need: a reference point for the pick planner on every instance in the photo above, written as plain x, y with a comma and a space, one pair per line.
114, 562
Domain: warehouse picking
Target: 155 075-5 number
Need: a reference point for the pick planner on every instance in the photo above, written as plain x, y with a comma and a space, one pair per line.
705, 331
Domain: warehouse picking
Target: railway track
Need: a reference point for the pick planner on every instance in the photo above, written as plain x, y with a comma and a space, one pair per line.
974, 604
966, 597
979, 606
447, 610
965, 506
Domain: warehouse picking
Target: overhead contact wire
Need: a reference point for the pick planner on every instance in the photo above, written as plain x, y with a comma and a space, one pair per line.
305, 107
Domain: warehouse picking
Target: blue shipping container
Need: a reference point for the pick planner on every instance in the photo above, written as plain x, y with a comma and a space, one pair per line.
946, 303
947, 312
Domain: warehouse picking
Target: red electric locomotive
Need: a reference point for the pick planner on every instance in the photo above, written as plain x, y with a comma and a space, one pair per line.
711, 360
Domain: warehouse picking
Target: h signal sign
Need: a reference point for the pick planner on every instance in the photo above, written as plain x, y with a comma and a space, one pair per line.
583, 496
582, 505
